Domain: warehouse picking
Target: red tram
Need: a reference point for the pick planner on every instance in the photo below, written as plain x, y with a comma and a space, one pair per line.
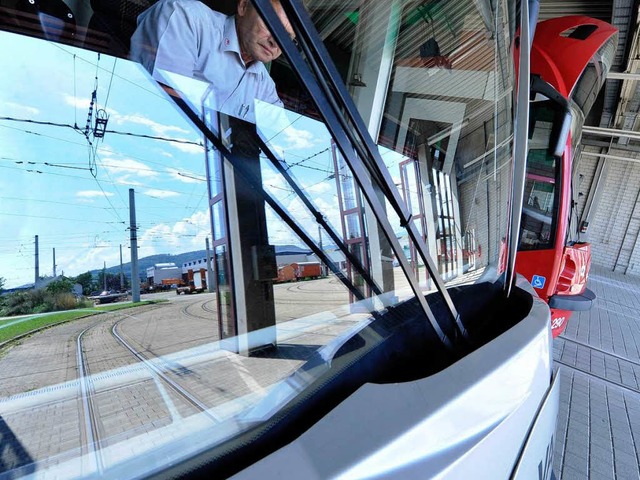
570, 59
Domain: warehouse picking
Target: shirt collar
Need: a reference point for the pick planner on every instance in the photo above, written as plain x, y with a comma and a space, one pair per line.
230, 43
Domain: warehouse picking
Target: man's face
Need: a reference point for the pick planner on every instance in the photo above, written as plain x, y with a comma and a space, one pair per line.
256, 42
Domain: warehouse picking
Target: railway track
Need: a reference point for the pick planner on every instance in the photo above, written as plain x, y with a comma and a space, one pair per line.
187, 310
89, 421
206, 306
604, 378
159, 372
314, 288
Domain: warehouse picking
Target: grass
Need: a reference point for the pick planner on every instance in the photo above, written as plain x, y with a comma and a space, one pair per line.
29, 325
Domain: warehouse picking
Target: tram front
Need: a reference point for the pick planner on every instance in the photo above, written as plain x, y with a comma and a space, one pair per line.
360, 324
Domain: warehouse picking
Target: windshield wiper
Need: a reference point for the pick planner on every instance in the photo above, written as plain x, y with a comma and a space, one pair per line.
358, 149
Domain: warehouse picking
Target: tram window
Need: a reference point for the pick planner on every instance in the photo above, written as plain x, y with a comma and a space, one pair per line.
539, 215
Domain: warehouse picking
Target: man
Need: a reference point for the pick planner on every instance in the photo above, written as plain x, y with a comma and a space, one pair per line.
189, 38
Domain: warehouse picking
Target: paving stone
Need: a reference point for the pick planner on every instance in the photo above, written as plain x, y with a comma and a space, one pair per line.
626, 471
601, 455
612, 412
570, 473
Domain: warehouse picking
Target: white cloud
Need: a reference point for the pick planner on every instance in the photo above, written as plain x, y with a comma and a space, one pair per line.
316, 190
295, 139
21, 109
279, 231
326, 186
93, 256
186, 177
182, 236
188, 147
322, 197
139, 119
298, 139
154, 192
93, 194
126, 180
157, 129
83, 103
128, 166
77, 102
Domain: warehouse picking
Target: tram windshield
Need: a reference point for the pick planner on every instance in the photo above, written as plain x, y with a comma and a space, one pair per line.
542, 187
270, 245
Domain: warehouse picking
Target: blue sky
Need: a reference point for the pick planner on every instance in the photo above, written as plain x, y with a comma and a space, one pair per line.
75, 198
85, 218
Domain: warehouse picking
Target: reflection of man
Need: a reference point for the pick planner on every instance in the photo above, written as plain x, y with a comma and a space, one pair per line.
189, 38
536, 203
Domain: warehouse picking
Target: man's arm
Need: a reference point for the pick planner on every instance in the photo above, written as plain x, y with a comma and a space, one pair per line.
168, 36
267, 91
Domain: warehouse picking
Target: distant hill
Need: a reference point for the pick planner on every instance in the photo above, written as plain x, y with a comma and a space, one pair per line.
179, 259
146, 262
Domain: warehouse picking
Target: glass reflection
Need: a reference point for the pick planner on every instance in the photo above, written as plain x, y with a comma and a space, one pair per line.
300, 263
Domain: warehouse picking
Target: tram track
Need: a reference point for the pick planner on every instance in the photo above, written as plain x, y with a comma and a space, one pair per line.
612, 354
306, 287
160, 374
598, 376
186, 310
89, 414
206, 308
87, 394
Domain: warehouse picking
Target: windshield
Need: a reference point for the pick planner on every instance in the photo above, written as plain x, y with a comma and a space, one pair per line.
542, 187
183, 266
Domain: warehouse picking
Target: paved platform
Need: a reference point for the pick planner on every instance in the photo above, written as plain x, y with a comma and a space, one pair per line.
598, 431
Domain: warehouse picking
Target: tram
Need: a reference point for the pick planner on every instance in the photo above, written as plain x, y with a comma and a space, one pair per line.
570, 59
397, 159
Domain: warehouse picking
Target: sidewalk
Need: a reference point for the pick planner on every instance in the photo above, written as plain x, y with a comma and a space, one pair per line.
598, 430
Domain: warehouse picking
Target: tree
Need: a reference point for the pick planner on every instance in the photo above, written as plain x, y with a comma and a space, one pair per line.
63, 285
113, 281
1, 283
86, 280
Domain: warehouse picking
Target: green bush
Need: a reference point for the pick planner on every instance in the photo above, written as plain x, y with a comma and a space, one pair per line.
23, 303
63, 285
85, 303
64, 301
41, 301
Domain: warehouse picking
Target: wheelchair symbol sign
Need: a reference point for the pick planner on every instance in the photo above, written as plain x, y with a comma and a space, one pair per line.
538, 281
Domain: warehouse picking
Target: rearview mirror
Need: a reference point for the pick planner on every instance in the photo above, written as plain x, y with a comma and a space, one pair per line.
563, 134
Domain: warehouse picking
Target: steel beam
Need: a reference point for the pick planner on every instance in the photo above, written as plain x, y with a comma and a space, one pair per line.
611, 132
623, 76
611, 157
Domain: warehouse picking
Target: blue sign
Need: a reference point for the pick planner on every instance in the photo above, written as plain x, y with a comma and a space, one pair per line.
538, 281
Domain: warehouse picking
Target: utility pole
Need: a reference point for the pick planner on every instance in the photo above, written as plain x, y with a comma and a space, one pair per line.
54, 263
135, 277
104, 276
35, 284
121, 271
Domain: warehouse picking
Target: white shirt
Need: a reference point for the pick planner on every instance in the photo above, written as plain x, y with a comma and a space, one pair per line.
188, 38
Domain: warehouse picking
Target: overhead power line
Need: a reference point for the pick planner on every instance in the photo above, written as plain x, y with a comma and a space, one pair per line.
112, 182
115, 132
48, 217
